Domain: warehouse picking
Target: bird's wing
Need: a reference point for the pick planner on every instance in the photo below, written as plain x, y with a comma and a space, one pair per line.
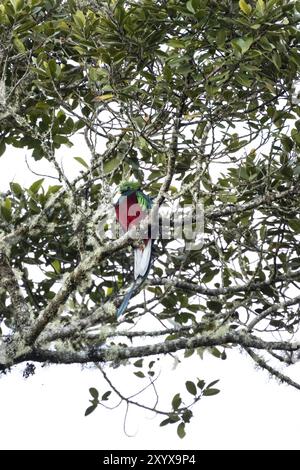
144, 201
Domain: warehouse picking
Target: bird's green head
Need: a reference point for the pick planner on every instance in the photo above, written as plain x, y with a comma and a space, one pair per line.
129, 186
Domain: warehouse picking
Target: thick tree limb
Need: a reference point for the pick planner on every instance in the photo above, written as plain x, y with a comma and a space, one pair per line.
119, 353
9, 282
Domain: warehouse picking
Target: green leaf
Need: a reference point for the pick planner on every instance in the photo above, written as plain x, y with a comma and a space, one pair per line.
106, 97
56, 266
211, 384
210, 392
6, 209
81, 161
79, 19
17, 4
214, 305
265, 44
93, 74
139, 374
34, 188
260, 7
110, 165
138, 363
52, 66
189, 6
62, 139
94, 392
295, 225
54, 189
209, 275
215, 352
243, 44
16, 189
223, 357
200, 129
38, 152
191, 387
287, 143
276, 59
187, 415
106, 395
19, 45
174, 418
177, 43
2, 147
90, 409
295, 136
165, 422
221, 37
176, 401
201, 384
181, 430
245, 7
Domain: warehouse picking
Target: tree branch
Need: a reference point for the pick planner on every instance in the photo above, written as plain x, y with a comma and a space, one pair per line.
249, 286
9, 282
275, 373
119, 353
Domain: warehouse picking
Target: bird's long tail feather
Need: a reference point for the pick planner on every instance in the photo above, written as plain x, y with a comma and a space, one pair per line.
142, 261
126, 300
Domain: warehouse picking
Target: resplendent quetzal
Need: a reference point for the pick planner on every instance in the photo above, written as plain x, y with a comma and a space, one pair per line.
132, 207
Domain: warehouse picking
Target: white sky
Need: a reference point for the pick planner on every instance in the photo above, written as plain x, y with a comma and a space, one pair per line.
46, 411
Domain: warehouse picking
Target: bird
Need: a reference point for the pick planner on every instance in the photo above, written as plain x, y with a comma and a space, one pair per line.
131, 208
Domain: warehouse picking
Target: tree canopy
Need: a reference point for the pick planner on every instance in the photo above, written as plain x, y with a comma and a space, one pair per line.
197, 100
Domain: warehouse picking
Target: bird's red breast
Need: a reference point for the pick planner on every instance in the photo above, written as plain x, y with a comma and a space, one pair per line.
128, 211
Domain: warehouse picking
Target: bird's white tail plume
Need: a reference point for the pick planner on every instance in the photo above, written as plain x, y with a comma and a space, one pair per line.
142, 260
